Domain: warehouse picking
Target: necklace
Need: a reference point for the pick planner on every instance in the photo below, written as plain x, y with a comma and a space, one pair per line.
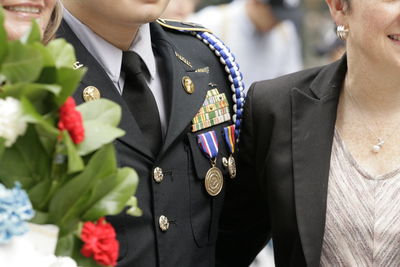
380, 141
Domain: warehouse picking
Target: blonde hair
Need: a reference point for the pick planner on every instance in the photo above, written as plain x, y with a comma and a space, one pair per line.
54, 22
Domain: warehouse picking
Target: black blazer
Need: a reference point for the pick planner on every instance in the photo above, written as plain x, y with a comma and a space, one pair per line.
283, 168
193, 214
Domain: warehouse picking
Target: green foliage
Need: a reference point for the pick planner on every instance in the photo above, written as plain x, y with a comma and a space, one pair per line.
67, 183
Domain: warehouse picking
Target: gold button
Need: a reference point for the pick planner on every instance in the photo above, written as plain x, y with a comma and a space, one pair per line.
188, 84
90, 93
158, 175
164, 223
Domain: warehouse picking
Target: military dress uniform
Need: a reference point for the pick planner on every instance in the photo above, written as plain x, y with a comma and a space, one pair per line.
180, 216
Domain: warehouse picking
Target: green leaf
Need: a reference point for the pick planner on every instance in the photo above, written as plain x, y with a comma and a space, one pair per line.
2, 146
66, 245
75, 162
48, 60
23, 63
48, 138
103, 110
32, 116
28, 89
68, 79
97, 134
3, 36
134, 210
33, 35
63, 53
40, 218
37, 194
111, 196
26, 159
70, 246
40, 95
64, 206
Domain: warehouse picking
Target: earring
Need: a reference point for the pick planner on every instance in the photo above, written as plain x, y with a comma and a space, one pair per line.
342, 32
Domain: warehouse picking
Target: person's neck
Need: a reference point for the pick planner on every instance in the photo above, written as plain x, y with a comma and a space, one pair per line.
375, 87
120, 36
261, 15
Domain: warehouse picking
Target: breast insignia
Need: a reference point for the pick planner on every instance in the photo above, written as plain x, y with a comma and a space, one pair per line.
188, 84
91, 93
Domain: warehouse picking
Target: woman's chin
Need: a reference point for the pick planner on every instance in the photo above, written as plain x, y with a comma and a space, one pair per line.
15, 32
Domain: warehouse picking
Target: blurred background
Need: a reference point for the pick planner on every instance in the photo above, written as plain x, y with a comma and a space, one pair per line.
269, 38
316, 31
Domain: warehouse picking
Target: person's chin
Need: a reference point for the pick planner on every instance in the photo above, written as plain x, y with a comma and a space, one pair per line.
16, 30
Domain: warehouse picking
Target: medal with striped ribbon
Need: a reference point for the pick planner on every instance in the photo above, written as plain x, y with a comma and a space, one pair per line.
214, 180
229, 136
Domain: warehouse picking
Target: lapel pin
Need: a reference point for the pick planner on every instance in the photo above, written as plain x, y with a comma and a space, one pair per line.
90, 93
188, 85
77, 65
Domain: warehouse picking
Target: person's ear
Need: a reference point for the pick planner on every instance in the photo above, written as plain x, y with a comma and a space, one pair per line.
339, 10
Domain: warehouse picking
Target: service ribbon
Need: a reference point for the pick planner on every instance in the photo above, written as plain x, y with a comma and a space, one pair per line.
229, 134
208, 144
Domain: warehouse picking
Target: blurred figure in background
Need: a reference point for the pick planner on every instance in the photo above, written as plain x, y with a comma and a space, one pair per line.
180, 9
265, 44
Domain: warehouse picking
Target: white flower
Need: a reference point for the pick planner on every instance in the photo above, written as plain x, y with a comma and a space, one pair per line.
20, 252
12, 122
64, 262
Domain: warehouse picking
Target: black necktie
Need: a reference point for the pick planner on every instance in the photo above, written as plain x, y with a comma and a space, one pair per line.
140, 99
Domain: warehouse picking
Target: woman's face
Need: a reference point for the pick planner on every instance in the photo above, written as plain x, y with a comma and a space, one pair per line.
374, 31
20, 13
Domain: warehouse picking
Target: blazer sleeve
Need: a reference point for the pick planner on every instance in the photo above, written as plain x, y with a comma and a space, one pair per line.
244, 225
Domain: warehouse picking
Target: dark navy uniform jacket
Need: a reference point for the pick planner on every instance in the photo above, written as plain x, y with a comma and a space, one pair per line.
193, 215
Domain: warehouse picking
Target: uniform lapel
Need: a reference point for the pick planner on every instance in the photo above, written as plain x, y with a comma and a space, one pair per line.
182, 105
313, 122
97, 77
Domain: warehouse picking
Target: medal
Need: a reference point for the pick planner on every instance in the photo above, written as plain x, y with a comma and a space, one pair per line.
214, 179
229, 136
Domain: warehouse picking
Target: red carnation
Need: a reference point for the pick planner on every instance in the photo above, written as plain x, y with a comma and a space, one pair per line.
71, 120
100, 242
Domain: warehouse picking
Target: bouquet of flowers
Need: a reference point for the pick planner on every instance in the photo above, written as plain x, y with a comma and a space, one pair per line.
57, 161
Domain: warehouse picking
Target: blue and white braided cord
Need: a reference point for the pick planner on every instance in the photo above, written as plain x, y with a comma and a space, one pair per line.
234, 75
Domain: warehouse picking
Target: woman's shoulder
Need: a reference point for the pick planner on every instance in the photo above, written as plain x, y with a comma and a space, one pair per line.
275, 94
283, 85
287, 82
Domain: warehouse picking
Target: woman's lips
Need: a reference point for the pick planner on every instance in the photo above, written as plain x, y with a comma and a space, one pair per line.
24, 10
395, 37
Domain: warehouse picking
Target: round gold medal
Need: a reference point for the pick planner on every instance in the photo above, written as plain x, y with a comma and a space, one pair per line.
214, 181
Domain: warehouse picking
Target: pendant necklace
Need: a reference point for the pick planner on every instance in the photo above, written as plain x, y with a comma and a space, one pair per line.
377, 147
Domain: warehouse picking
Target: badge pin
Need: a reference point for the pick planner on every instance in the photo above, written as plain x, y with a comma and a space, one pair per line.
77, 65
90, 93
188, 84
183, 59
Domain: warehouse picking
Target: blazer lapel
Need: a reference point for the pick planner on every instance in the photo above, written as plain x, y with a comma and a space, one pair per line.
182, 105
97, 77
313, 122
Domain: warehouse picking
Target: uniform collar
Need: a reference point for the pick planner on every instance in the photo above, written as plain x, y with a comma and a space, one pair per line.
109, 56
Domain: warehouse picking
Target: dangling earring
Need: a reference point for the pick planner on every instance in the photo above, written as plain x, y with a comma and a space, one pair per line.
342, 32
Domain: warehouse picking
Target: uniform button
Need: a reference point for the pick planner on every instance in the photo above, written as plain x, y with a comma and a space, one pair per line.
164, 223
158, 175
